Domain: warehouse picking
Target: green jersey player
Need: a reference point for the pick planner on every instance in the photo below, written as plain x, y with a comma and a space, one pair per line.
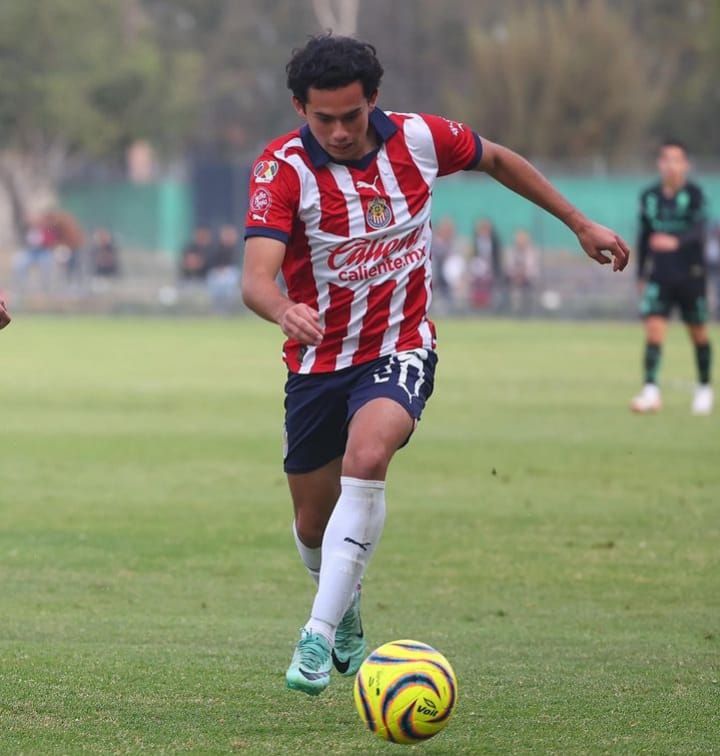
672, 272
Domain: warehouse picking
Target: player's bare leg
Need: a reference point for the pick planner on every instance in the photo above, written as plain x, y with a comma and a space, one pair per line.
655, 329
649, 400
703, 398
377, 431
314, 495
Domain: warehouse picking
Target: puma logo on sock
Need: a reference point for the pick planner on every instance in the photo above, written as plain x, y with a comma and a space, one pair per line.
363, 546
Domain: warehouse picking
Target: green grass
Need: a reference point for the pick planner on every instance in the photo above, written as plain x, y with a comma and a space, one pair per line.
563, 553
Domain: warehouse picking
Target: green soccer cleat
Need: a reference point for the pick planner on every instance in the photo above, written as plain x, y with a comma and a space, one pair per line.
349, 650
309, 670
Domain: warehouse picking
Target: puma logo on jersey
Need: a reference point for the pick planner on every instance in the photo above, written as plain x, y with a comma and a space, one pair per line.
365, 185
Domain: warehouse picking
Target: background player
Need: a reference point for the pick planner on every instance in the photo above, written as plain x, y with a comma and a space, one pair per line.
672, 271
343, 207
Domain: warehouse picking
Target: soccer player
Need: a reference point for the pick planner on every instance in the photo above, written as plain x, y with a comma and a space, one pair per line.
672, 271
342, 207
4, 315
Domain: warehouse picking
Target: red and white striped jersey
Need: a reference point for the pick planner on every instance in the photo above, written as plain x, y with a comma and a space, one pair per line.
358, 233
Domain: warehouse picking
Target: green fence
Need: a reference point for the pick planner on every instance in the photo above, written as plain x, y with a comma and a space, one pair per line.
155, 217
611, 201
158, 217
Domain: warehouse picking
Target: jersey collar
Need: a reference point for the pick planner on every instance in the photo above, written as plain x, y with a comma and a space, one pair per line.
379, 120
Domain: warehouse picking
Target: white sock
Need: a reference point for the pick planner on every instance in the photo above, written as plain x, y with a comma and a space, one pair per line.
350, 539
311, 557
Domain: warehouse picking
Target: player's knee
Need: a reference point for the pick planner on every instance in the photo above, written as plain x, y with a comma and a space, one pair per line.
367, 461
699, 334
310, 527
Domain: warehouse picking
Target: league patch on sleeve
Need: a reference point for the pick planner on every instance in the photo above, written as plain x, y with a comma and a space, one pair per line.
265, 171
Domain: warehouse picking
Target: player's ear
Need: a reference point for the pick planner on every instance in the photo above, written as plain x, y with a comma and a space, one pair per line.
372, 100
299, 107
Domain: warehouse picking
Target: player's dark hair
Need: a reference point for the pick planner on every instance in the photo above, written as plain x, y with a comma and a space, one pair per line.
672, 142
330, 62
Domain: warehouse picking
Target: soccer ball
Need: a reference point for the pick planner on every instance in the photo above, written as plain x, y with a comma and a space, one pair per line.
405, 691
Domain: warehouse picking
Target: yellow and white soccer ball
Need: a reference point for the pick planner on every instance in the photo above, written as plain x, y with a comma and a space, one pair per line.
405, 691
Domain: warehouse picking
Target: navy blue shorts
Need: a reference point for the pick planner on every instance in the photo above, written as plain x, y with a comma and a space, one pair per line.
319, 406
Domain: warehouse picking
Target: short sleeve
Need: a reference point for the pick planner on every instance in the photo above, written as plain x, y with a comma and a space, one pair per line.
272, 199
457, 146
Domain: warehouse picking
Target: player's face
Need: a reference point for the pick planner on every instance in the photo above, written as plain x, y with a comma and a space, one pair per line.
338, 119
673, 165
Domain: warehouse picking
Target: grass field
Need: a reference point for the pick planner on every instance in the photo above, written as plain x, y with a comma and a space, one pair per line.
564, 554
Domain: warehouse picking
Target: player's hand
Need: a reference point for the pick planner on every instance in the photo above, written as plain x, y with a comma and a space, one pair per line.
4, 315
302, 323
660, 242
598, 240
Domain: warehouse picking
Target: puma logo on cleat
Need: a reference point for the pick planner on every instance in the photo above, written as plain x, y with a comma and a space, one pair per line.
363, 546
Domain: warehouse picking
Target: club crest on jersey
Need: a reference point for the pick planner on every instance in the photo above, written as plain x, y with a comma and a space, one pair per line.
378, 213
265, 171
260, 203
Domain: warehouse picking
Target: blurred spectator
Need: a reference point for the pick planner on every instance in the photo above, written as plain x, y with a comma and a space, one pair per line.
449, 265
712, 258
223, 276
37, 254
104, 254
69, 239
140, 157
196, 255
523, 273
439, 251
487, 277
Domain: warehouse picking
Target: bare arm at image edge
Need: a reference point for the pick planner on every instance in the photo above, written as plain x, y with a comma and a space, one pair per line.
4, 315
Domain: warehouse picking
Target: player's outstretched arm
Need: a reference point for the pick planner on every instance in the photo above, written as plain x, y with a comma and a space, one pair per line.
260, 292
4, 315
518, 174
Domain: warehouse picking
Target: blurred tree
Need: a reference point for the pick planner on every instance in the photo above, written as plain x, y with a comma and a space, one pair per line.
423, 46
81, 76
691, 109
593, 74
338, 15
242, 98
560, 80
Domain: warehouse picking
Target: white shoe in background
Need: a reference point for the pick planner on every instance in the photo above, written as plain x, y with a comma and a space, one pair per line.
703, 400
648, 400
